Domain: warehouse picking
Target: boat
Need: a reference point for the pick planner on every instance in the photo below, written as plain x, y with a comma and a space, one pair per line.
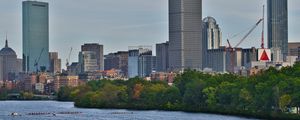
14, 114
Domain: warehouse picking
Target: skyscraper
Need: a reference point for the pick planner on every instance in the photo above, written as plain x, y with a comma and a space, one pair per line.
35, 35
8, 63
98, 49
278, 26
185, 34
212, 39
88, 61
162, 61
212, 36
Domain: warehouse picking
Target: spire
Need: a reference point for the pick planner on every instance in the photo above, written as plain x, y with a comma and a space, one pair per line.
6, 43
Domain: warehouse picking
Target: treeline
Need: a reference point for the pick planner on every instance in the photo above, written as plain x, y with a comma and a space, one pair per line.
270, 95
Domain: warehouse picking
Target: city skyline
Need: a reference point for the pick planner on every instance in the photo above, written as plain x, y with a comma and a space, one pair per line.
143, 18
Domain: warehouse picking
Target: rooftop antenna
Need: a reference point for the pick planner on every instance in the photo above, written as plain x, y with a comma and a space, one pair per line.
263, 28
6, 43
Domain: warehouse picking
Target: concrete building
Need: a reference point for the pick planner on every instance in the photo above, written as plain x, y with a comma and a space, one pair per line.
88, 61
162, 57
8, 63
60, 81
55, 63
35, 35
139, 61
117, 61
278, 26
185, 34
98, 49
294, 49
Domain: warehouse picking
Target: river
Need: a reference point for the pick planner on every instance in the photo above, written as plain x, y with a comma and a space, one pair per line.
62, 110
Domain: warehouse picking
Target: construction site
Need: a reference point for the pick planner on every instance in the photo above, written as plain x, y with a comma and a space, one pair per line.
246, 61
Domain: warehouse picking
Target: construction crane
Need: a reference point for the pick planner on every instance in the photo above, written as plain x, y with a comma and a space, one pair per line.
67, 60
36, 61
232, 49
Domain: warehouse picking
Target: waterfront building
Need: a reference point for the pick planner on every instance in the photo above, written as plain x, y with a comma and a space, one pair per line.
278, 27
60, 81
162, 57
98, 49
35, 35
185, 34
55, 63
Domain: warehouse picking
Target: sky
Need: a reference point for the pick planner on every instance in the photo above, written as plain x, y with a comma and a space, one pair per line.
118, 24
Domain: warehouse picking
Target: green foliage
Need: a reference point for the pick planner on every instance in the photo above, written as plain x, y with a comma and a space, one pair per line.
268, 95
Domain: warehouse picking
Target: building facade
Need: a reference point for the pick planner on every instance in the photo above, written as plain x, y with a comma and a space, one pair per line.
139, 61
117, 61
294, 49
278, 26
88, 61
185, 34
162, 57
35, 35
98, 49
8, 63
55, 63
212, 35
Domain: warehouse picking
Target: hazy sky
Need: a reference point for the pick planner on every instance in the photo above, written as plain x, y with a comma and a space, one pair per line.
118, 24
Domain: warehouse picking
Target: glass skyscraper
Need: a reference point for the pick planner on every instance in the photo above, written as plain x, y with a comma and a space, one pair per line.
185, 34
278, 26
35, 35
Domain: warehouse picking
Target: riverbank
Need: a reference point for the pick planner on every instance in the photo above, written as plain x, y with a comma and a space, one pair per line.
270, 95
244, 114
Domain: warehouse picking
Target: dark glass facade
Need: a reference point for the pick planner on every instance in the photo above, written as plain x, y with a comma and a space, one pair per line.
278, 25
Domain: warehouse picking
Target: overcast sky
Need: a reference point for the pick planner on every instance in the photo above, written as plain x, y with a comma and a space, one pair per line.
118, 24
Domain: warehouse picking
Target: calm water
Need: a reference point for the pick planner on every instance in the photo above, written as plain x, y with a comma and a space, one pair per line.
25, 107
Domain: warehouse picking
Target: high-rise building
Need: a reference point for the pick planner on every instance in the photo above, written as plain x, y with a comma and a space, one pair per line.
278, 26
35, 35
55, 62
98, 49
212, 36
162, 57
8, 63
88, 61
139, 61
185, 34
212, 39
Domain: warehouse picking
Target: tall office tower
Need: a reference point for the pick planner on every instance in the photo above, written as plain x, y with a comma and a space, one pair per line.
98, 49
162, 57
212, 36
35, 35
185, 34
88, 61
55, 62
278, 26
